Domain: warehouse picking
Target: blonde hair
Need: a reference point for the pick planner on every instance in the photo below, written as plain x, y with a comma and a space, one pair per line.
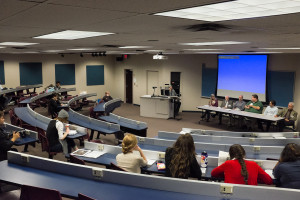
129, 142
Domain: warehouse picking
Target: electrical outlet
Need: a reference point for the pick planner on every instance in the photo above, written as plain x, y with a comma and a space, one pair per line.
161, 155
256, 148
251, 140
259, 162
100, 147
226, 189
97, 173
25, 158
141, 139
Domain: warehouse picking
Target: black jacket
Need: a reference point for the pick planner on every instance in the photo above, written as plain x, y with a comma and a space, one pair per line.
5, 144
53, 106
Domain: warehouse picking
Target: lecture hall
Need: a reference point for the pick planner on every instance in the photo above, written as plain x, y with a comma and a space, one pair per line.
149, 99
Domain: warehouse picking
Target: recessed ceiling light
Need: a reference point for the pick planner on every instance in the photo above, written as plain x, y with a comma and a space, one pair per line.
82, 49
129, 53
202, 49
72, 35
154, 50
209, 52
52, 51
239, 9
213, 43
287, 48
135, 47
16, 43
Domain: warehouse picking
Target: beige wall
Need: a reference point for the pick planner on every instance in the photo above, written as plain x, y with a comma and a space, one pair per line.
12, 75
190, 67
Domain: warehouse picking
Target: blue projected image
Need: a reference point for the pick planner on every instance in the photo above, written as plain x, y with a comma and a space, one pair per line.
242, 73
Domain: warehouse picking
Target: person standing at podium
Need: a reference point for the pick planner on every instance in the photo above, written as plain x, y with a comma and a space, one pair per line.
172, 92
177, 102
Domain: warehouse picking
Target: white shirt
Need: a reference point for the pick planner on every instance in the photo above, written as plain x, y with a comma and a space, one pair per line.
60, 129
131, 162
271, 111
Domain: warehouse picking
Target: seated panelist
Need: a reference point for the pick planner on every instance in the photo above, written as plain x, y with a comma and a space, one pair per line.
289, 115
213, 101
226, 104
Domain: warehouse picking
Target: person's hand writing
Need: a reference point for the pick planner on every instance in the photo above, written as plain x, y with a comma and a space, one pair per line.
16, 135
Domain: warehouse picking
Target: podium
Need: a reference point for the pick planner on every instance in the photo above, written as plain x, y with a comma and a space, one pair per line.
157, 106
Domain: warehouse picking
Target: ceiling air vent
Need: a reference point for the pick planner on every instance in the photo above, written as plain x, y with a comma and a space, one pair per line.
208, 27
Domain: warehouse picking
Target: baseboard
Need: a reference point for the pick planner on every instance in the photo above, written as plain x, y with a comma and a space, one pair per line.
136, 105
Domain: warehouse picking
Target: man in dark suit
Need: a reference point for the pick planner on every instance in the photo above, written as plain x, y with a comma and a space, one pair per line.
226, 104
289, 115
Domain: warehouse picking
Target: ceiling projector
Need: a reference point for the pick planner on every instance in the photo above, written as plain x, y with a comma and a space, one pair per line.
160, 57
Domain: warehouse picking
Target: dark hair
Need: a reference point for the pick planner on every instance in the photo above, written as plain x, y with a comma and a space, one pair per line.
54, 95
238, 152
1, 113
255, 96
57, 82
273, 102
290, 153
184, 152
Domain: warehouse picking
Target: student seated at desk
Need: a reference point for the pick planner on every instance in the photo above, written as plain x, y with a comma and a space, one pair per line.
106, 97
287, 170
128, 160
5, 142
57, 138
53, 104
181, 159
241, 171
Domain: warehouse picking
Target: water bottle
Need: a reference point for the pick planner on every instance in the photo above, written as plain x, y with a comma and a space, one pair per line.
204, 159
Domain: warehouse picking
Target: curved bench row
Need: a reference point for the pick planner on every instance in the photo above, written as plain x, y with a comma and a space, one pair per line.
241, 134
35, 119
252, 152
231, 140
102, 183
43, 95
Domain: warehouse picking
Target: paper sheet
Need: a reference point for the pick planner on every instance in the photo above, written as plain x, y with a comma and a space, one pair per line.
223, 156
72, 132
270, 172
150, 162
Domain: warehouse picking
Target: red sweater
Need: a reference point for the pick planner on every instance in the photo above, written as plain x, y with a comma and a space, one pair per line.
231, 169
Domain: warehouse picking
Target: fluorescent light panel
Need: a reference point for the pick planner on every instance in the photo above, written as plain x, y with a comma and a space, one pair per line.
135, 47
16, 43
287, 48
72, 35
213, 43
52, 51
202, 49
82, 49
239, 9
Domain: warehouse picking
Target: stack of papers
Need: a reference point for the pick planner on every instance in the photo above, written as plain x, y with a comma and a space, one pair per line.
88, 153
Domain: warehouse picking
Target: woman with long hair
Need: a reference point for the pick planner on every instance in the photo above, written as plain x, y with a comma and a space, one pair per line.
127, 159
181, 159
240, 171
213, 101
287, 170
